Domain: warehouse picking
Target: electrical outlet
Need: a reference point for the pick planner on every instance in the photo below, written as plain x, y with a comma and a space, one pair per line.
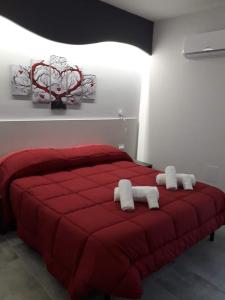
121, 146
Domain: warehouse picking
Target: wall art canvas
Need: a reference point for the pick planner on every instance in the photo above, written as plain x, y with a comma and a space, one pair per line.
65, 83
20, 80
58, 75
54, 81
74, 80
40, 76
89, 87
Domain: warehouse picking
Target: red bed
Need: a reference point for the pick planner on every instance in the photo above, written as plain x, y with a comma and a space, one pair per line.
62, 201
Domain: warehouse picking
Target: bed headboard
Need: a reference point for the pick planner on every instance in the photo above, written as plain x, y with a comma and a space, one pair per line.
16, 135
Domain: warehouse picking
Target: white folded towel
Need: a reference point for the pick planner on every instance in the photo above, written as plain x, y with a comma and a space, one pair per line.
161, 179
139, 193
153, 198
126, 196
187, 182
171, 179
149, 194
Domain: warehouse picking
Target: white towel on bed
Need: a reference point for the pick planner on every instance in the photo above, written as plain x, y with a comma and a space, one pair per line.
171, 179
187, 182
126, 196
152, 196
139, 193
161, 179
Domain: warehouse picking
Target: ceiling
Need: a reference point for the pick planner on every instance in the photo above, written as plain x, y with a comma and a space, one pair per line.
162, 9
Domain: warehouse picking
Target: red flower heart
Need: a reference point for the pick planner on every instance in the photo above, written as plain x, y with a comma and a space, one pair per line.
41, 79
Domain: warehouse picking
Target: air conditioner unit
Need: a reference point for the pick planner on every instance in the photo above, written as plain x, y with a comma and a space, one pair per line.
205, 44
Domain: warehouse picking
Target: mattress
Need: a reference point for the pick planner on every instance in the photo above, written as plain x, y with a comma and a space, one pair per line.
64, 209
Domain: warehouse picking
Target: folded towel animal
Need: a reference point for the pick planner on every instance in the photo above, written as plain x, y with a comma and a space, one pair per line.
153, 198
126, 196
171, 179
161, 180
187, 182
139, 193
142, 194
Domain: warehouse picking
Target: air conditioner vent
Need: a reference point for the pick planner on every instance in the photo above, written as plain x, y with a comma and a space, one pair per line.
205, 44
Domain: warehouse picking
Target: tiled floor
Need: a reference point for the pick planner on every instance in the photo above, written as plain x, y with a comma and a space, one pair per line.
198, 274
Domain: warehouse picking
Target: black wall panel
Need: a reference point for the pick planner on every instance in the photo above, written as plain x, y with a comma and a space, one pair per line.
79, 21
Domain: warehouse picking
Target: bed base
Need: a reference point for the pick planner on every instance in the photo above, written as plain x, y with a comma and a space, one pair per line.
212, 237
6, 229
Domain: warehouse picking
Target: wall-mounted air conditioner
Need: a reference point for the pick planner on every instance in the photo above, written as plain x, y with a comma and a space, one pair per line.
205, 44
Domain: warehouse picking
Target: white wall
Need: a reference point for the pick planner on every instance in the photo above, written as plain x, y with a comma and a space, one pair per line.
186, 125
16, 135
120, 71
118, 68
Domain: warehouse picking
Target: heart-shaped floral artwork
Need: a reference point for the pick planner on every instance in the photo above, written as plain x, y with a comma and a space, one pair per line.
20, 80
56, 82
40, 74
53, 81
88, 87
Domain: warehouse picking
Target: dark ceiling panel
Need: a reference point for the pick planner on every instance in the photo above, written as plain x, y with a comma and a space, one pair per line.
79, 21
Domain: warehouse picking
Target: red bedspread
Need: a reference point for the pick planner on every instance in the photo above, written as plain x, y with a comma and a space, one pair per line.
64, 208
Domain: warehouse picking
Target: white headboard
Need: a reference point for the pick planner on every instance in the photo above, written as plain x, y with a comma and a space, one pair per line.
15, 135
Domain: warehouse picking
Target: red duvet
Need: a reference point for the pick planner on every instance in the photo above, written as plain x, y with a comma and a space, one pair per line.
62, 201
